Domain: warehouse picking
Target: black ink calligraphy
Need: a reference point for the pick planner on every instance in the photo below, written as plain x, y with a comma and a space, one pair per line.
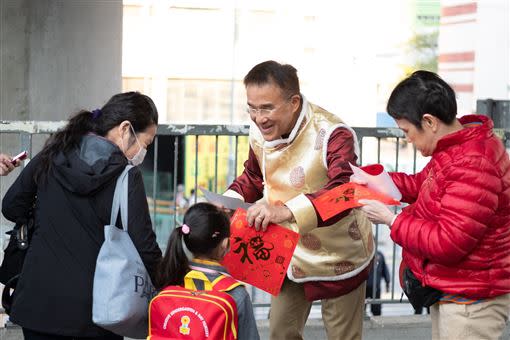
261, 250
346, 196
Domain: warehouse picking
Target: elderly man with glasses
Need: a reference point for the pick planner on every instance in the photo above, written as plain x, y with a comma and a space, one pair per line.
298, 151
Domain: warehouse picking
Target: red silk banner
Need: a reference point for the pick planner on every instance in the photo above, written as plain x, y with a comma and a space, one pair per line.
259, 258
346, 196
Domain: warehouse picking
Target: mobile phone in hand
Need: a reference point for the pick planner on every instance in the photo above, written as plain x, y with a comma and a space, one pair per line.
21, 156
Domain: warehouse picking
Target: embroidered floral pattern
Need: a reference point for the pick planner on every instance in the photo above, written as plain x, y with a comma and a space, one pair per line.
343, 267
354, 231
320, 139
297, 177
311, 242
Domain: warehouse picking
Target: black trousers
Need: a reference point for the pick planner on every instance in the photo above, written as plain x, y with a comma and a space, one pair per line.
33, 335
375, 308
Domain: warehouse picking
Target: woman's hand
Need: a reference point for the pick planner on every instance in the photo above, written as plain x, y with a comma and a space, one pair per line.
377, 212
6, 164
261, 214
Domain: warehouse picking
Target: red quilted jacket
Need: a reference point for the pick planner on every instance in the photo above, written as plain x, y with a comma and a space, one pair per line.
455, 233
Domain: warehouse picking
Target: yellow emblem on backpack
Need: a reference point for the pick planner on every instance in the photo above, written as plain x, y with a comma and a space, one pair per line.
184, 329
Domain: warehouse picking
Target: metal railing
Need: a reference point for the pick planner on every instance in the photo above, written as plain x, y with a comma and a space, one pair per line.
377, 145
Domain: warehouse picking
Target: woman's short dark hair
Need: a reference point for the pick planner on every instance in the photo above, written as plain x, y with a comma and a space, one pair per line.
283, 75
422, 92
134, 107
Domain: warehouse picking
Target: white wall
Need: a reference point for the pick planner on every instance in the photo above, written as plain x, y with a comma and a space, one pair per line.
485, 34
492, 61
337, 47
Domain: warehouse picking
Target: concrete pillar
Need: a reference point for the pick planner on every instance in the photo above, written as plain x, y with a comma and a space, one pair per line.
58, 56
13, 60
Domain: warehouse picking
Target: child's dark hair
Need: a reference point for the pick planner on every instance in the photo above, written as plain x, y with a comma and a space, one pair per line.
208, 225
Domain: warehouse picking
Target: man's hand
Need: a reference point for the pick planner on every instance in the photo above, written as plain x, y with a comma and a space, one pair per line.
261, 214
6, 165
377, 212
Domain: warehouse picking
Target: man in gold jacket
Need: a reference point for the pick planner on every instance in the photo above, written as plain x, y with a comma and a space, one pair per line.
298, 151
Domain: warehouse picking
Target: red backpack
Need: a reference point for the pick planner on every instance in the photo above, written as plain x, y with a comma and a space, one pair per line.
188, 313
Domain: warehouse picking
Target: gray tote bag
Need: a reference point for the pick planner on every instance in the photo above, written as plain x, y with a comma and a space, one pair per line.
122, 287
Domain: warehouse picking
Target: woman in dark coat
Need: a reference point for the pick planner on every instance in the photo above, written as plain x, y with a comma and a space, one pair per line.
70, 186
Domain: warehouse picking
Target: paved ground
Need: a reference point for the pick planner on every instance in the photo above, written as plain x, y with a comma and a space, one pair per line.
415, 327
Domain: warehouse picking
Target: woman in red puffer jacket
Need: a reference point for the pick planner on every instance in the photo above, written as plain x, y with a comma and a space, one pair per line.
455, 233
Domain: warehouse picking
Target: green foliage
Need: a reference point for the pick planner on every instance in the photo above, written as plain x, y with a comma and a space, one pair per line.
423, 50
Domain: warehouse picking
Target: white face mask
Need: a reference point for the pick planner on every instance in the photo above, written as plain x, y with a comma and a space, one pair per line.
140, 155
138, 158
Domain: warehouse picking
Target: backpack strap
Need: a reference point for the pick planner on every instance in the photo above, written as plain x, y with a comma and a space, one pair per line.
196, 275
224, 283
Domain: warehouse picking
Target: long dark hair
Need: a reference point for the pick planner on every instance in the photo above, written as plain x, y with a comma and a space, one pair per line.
135, 107
208, 226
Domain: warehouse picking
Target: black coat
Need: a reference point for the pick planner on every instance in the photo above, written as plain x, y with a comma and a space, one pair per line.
381, 272
54, 294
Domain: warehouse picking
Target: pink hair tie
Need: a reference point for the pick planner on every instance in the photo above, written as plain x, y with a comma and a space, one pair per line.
185, 229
